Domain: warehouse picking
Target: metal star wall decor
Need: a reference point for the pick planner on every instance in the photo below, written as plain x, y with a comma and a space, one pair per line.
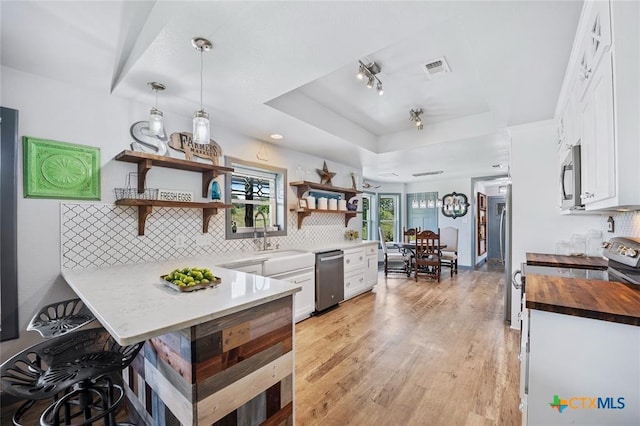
325, 175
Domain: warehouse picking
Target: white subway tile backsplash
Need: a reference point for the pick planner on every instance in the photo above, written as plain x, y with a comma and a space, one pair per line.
96, 235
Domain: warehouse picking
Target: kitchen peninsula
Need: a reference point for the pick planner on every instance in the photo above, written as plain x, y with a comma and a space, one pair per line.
209, 354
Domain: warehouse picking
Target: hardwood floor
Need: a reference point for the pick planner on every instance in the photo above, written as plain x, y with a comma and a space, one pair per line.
410, 353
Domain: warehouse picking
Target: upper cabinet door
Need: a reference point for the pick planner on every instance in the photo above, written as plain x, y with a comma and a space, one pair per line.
598, 161
595, 42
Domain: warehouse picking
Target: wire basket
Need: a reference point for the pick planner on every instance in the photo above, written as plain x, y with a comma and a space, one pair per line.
132, 193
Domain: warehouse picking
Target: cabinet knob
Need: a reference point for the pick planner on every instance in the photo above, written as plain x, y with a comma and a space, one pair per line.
522, 405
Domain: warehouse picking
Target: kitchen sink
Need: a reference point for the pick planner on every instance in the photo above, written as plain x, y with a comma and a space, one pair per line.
279, 262
281, 253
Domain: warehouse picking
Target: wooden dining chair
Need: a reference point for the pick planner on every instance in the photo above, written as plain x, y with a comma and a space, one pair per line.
427, 258
449, 254
392, 258
409, 235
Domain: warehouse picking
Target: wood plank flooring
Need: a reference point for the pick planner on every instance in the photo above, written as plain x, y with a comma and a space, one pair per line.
410, 353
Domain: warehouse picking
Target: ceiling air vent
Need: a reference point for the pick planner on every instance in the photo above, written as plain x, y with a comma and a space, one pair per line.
437, 172
437, 68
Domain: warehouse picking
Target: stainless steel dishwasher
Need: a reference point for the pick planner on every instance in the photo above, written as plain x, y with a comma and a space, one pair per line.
329, 279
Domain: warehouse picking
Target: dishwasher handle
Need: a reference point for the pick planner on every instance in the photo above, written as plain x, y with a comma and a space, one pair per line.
325, 259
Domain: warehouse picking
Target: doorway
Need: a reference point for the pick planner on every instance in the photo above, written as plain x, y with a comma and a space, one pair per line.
496, 210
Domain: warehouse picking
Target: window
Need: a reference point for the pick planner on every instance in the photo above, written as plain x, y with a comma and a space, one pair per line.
389, 216
369, 231
255, 191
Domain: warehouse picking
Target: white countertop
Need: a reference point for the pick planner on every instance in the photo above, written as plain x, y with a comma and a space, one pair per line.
133, 305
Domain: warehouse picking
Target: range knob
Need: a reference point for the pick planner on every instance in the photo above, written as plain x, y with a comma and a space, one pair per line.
606, 244
631, 252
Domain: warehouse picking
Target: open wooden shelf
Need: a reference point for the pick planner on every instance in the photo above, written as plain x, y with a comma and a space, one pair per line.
146, 161
146, 206
482, 224
304, 186
302, 213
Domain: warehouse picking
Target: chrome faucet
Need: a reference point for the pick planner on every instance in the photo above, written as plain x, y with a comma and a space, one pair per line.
265, 244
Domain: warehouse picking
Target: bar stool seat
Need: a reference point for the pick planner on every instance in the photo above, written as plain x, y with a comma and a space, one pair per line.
80, 365
60, 318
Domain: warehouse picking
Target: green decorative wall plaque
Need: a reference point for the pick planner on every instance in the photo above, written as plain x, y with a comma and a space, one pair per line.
60, 170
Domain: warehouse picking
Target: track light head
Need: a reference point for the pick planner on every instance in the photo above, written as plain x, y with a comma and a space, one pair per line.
415, 117
369, 71
370, 82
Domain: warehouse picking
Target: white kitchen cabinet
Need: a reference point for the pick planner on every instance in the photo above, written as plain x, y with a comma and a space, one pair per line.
599, 105
355, 262
305, 299
594, 42
598, 149
371, 271
574, 357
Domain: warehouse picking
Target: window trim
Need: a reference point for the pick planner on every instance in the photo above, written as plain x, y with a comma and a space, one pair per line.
280, 200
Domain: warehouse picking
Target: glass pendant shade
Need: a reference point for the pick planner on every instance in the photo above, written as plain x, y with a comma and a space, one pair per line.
423, 204
156, 122
414, 204
201, 127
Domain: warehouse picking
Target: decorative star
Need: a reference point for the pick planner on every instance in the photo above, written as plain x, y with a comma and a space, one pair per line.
325, 175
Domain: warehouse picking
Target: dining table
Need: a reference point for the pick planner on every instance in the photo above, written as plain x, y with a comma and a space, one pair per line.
409, 249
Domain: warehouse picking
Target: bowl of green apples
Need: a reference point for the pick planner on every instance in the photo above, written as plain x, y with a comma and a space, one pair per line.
190, 279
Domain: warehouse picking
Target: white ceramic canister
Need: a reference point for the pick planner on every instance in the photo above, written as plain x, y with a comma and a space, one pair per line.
342, 205
333, 204
322, 203
311, 202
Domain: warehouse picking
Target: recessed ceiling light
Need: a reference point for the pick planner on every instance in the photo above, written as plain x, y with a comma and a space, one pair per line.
276, 136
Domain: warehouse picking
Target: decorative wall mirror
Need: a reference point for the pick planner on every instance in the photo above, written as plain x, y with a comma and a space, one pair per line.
455, 205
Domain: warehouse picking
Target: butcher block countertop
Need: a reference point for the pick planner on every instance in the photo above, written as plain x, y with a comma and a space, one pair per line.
601, 300
582, 262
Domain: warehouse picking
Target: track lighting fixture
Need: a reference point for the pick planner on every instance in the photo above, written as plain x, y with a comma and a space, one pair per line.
415, 116
370, 71
201, 132
156, 125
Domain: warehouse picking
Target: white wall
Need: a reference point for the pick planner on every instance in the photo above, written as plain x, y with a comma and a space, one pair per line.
52, 110
536, 220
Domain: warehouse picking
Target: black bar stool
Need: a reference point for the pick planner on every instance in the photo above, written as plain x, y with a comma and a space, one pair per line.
61, 317
81, 365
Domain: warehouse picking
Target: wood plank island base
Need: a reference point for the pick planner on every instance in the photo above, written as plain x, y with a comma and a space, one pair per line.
233, 368
222, 354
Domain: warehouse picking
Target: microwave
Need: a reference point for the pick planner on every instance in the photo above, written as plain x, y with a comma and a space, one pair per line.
570, 188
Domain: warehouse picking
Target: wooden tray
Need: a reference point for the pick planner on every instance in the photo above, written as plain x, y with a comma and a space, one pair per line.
169, 284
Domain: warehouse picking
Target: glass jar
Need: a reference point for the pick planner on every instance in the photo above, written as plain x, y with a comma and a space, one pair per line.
578, 245
563, 248
594, 243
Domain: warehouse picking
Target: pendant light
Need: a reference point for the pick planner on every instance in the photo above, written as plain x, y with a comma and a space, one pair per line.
156, 124
423, 201
201, 133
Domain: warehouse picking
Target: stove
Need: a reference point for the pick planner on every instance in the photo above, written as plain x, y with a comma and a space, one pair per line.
624, 259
